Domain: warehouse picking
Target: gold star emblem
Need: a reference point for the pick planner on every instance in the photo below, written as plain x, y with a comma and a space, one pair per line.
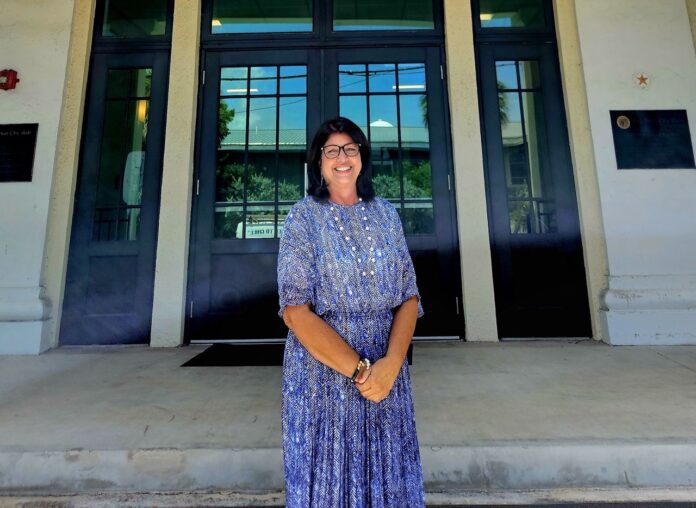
642, 80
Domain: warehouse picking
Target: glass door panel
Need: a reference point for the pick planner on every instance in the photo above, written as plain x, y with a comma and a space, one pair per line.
537, 250
396, 97
389, 102
109, 284
251, 171
262, 135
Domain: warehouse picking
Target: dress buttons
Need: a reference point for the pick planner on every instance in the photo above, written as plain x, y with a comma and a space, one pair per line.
335, 218
353, 248
347, 237
364, 273
369, 238
341, 228
367, 228
364, 218
372, 272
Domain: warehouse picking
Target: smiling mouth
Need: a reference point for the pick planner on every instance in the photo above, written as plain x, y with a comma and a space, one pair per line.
343, 169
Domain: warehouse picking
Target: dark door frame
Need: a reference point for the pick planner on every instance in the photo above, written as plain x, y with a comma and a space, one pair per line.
76, 324
513, 320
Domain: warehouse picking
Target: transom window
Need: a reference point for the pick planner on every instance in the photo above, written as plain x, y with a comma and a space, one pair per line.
278, 16
253, 16
135, 18
501, 14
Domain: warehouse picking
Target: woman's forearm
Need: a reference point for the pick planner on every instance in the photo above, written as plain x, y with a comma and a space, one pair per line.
322, 341
403, 326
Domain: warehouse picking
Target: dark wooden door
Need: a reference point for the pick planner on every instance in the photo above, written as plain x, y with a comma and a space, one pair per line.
259, 109
110, 277
539, 272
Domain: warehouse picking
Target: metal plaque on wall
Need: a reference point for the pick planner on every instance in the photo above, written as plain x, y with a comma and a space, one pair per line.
652, 139
17, 148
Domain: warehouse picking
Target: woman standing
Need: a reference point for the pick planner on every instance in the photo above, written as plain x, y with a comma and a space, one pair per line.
348, 294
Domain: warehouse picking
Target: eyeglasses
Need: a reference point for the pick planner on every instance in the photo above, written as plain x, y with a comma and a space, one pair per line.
333, 151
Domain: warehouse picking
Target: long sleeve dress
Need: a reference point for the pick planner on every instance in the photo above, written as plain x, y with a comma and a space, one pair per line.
351, 263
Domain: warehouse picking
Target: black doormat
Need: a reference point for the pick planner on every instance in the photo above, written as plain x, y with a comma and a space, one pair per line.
250, 355
239, 355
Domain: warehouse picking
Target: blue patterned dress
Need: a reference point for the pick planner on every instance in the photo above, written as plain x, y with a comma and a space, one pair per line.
341, 450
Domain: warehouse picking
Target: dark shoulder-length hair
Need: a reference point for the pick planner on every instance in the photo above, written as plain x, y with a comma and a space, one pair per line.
339, 124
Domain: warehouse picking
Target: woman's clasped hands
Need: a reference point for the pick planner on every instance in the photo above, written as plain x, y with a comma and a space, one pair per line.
376, 382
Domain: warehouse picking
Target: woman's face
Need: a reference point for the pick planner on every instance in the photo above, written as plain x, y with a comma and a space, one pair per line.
340, 173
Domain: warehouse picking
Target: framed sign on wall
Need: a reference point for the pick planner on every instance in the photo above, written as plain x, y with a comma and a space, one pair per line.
652, 139
17, 148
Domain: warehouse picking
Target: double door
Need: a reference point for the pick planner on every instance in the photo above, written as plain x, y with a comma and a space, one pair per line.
258, 112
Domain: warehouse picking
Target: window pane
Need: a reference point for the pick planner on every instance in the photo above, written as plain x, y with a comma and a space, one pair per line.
262, 148
529, 74
233, 81
530, 190
382, 77
134, 18
512, 14
352, 78
253, 16
411, 77
506, 74
263, 80
383, 15
122, 162
355, 108
293, 79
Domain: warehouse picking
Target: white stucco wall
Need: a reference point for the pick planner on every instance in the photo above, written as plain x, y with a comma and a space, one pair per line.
649, 215
34, 40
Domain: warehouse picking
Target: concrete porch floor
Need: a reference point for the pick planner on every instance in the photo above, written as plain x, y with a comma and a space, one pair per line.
558, 421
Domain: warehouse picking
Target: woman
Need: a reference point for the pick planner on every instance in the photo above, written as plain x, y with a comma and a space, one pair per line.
348, 295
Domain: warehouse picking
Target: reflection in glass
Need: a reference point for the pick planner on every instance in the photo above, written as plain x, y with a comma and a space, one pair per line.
383, 15
529, 187
134, 18
382, 77
259, 222
412, 77
257, 161
122, 162
233, 81
252, 16
262, 124
512, 14
352, 78
263, 80
228, 220
355, 108
417, 218
529, 74
394, 115
293, 79
506, 74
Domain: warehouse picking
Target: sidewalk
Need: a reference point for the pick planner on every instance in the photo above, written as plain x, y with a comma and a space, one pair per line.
554, 417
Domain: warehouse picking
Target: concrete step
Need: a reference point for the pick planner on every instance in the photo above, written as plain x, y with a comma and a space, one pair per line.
479, 467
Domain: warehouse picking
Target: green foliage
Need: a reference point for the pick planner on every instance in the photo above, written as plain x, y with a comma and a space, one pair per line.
417, 182
225, 117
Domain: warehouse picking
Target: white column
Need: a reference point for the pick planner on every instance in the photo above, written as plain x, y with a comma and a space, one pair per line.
472, 216
175, 209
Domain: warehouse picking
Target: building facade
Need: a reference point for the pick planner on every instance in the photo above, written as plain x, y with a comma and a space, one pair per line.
540, 154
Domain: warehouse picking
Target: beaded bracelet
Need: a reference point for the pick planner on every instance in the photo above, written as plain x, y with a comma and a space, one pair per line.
363, 363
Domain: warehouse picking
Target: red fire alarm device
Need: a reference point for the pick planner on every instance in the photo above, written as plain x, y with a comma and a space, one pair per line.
8, 79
